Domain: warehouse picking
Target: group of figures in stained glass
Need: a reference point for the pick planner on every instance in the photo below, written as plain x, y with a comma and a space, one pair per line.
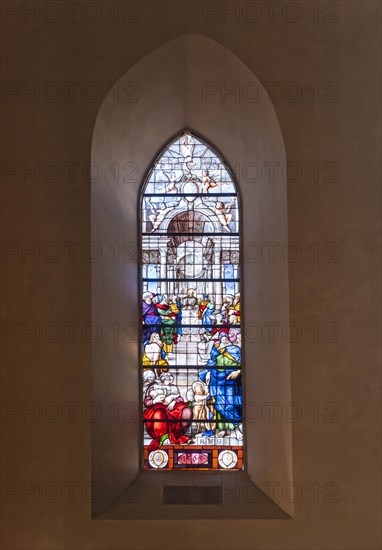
191, 338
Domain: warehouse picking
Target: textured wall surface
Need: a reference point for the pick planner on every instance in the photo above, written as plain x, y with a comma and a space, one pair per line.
122, 131
321, 63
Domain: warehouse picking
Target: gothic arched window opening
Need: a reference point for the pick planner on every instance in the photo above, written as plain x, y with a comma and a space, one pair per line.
191, 333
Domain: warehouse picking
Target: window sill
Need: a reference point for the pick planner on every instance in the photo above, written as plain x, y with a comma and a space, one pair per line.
191, 495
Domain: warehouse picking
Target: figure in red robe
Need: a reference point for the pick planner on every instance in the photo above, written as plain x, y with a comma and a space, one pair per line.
167, 416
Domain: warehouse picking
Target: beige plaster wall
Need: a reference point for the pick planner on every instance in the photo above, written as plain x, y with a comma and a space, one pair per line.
247, 133
345, 211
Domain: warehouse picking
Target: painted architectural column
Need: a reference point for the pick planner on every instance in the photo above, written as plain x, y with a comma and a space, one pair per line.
163, 269
145, 275
217, 274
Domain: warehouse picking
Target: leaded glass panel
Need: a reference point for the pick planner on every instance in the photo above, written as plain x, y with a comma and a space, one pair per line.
191, 332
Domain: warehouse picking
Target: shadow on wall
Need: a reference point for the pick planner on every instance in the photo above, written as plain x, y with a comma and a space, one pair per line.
174, 87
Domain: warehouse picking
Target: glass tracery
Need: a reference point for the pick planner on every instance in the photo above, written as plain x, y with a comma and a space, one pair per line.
191, 336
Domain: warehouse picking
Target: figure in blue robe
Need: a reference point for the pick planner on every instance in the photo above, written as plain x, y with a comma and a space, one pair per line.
179, 316
227, 394
151, 319
207, 316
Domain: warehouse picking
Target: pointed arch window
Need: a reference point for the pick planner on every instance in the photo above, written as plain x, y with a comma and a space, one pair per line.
191, 311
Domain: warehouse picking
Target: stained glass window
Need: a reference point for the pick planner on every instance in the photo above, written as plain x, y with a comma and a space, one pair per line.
191, 336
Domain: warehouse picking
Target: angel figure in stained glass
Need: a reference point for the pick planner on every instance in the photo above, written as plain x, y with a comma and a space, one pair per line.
222, 212
187, 149
207, 182
174, 178
158, 214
